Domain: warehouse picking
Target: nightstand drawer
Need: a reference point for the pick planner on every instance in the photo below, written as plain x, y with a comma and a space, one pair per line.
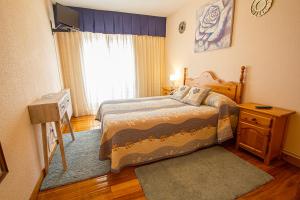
255, 119
253, 138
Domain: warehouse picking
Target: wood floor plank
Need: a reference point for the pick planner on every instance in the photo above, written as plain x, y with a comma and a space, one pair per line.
125, 186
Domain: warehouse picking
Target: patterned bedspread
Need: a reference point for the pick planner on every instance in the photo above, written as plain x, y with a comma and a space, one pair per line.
143, 130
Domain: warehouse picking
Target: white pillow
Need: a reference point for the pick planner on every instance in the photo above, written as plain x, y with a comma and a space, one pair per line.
196, 96
180, 92
216, 100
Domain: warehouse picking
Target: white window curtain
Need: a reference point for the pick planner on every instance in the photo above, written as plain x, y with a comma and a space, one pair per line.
109, 68
70, 53
98, 67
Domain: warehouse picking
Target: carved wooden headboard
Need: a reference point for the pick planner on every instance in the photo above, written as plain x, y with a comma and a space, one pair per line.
233, 90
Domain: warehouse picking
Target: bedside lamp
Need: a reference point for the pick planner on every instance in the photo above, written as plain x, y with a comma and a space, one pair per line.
174, 78
167, 90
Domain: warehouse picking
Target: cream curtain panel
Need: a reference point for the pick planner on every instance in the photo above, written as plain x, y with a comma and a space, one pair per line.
109, 68
85, 57
150, 65
71, 57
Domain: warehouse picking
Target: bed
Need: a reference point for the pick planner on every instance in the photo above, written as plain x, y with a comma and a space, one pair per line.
143, 130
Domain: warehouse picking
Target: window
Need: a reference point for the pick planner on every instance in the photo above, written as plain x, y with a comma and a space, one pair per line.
109, 68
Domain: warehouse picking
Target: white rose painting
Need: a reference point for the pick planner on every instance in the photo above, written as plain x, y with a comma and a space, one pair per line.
214, 25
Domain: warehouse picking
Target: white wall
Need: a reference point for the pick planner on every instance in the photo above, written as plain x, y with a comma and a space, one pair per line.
268, 46
28, 70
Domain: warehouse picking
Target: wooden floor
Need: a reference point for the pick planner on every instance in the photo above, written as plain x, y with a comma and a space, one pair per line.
124, 185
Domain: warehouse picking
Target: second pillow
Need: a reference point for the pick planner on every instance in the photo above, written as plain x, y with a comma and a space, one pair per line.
196, 96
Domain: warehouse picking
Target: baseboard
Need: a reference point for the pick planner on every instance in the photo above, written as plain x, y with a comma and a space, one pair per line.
35, 192
36, 189
291, 158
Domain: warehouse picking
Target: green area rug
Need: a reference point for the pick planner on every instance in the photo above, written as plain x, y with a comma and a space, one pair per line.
208, 174
82, 158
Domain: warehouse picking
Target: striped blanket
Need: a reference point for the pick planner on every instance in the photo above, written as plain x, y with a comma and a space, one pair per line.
143, 130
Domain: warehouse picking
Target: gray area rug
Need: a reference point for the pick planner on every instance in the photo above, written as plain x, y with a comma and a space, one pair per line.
208, 174
82, 157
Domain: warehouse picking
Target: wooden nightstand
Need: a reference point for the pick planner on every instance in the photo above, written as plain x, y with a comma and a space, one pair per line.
261, 131
167, 90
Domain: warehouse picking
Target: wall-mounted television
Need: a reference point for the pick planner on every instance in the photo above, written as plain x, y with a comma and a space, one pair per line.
66, 18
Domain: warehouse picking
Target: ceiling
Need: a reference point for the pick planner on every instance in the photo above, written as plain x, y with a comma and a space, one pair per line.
162, 8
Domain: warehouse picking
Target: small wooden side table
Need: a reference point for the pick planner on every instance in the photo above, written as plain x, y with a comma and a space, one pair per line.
167, 90
52, 108
262, 131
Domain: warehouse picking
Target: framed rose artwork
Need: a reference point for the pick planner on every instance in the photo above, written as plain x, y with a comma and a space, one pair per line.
214, 25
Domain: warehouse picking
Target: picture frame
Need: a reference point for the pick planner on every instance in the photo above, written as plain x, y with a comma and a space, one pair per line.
214, 25
3, 165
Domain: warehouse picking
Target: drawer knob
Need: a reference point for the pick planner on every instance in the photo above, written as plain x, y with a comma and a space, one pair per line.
254, 120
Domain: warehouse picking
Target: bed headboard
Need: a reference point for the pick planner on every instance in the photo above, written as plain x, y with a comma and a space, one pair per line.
233, 90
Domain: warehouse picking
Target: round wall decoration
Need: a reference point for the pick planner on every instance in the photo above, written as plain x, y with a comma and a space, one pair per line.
181, 27
261, 7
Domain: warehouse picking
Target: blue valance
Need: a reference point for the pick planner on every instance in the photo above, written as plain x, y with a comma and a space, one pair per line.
109, 22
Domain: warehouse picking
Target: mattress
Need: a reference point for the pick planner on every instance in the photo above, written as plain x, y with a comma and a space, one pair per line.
144, 130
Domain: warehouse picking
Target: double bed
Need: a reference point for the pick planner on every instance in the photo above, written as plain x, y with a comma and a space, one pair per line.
143, 130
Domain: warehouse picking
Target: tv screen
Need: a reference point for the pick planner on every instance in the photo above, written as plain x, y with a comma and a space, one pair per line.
66, 16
